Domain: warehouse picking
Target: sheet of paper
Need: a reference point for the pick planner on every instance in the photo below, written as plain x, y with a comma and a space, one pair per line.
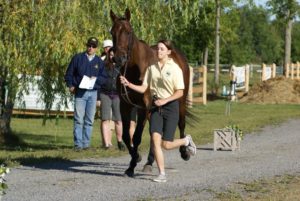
87, 82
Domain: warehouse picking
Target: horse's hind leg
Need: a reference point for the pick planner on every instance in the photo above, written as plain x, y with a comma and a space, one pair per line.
150, 160
181, 124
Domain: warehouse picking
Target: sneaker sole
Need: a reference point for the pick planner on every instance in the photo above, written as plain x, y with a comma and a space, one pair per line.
192, 146
159, 181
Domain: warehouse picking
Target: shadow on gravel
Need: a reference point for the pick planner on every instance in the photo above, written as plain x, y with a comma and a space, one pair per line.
88, 167
205, 148
211, 149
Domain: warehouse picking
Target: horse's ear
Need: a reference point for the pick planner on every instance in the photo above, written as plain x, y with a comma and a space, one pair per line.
113, 16
127, 14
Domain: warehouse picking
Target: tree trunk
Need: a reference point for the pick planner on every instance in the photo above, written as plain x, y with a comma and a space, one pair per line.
287, 48
217, 51
5, 120
205, 56
6, 107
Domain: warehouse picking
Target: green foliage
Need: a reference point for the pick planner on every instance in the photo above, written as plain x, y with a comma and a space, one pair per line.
40, 36
239, 133
3, 171
258, 40
284, 9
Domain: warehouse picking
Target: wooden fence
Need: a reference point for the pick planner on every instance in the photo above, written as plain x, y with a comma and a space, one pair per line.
293, 71
198, 86
268, 71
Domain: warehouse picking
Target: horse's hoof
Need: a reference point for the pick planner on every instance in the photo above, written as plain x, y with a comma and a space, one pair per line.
147, 168
185, 155
129, 173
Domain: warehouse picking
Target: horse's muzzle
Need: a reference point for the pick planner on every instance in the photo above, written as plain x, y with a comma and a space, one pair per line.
121, 60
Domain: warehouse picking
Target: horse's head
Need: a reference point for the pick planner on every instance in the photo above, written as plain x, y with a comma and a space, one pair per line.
122, 34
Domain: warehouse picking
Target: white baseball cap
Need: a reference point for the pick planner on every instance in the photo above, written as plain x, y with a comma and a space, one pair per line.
107, 43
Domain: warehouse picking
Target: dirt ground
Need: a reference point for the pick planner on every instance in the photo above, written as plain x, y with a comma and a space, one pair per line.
279, 90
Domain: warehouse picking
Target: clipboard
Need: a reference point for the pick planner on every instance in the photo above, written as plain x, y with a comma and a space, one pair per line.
87, 82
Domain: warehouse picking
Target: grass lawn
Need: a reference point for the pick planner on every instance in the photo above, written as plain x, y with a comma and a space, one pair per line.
282, 187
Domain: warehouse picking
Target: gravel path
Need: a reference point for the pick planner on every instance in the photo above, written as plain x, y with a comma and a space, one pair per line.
273, 151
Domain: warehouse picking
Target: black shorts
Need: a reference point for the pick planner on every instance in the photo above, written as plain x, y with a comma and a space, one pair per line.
164, 120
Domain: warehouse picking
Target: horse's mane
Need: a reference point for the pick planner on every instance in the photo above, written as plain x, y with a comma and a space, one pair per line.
142, 41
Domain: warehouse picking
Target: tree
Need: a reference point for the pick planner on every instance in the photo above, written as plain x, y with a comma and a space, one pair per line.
285, 10
197, 36
217, 42
255, 40
40, 36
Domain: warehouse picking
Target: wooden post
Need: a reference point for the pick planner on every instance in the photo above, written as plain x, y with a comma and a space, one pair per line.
199, 90
287, 70
246, 78
298, 70
263, 72
204, 93
190, 92
232, 76
292, 71
273, 70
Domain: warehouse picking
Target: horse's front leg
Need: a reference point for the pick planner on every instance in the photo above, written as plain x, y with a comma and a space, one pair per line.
126, 126
125, 113
137, 137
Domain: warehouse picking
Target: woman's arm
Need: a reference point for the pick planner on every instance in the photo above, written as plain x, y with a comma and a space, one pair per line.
139, 88
177, 94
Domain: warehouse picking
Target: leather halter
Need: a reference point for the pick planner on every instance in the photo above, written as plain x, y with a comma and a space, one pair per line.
124, 93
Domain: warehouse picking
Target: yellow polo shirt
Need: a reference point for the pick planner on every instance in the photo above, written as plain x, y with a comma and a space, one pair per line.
164, 82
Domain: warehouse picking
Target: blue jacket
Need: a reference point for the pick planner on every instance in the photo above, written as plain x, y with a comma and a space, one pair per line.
80, 66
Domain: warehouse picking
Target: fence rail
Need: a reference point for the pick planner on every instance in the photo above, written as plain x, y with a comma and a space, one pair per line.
293, 71
198, 86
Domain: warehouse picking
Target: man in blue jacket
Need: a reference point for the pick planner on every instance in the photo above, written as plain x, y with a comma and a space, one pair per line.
84, 77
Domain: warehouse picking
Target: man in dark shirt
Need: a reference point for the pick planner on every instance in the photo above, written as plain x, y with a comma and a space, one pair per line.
89, 66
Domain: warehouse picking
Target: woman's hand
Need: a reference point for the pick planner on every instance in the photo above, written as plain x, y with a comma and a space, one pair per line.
160, 102
138, 88
124, 81
72, 90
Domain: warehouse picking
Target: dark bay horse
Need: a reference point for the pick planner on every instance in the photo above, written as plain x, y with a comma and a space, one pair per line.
134, 56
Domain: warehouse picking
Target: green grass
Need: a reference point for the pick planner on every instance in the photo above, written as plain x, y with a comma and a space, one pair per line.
248, 117
283, 187
54, 140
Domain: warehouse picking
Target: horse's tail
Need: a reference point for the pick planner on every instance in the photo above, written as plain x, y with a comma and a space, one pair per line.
182, 61
191, 118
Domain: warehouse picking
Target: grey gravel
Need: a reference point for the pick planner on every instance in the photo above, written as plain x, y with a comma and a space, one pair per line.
274, 150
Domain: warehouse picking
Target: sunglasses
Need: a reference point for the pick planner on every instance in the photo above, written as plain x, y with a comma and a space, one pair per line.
90, 45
